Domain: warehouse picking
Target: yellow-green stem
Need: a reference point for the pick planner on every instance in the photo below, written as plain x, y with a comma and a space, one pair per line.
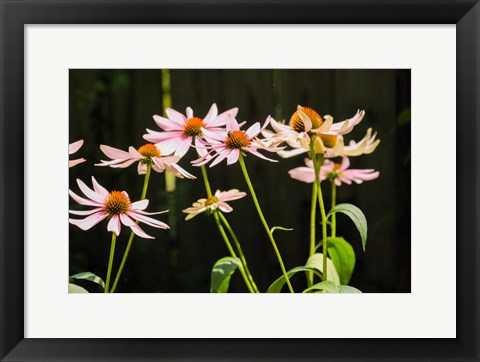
205, 181
110, 262
132, 235
317, 163
239, 249
264, 222
313, 221
232, 252
334, 216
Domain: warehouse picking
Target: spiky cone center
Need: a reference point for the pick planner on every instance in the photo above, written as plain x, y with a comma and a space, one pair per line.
148, 151
193, 127
212, 200
237, 139
116, 203
297, 124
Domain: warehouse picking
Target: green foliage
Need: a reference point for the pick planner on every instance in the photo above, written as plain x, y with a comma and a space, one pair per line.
316, 262
343, 257
330, 287
357, 216
277, 285
222, 272
73, 288
88, 276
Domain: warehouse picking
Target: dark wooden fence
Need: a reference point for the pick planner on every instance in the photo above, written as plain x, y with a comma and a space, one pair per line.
114, 107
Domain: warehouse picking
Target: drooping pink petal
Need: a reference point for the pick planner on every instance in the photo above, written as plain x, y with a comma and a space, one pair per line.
220, 157
170, 146
178, 171
75, 146
114, 225
72, 163
159, 164
124, 164
138, 231
233, 156
183, 147
258, 154
115, 153
142, 168
304, 174
147, 220
221, 119
90, 221
224, 207
87, 212
212, 136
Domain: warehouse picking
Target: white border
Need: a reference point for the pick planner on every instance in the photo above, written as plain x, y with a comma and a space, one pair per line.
429, 311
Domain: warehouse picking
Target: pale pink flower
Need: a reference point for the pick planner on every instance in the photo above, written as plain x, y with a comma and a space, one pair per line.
217, 201
180, 130
116, 206
334, 171
147, 154
229, 143
365, 146
72, 148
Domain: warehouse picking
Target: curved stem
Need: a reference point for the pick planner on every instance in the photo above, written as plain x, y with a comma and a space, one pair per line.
334, 201
264, 222
313, 217
232, 252
132, 235
317, 163
110, 262
239, 249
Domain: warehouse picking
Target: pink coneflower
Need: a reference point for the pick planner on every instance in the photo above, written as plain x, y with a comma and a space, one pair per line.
115, 205
147, 154
217, 201
334, 171
72, 148
229, 143
181, 129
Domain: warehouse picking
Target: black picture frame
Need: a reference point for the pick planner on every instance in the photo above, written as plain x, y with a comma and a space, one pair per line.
15, 14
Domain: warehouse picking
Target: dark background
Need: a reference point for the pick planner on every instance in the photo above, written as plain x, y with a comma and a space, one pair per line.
114, 107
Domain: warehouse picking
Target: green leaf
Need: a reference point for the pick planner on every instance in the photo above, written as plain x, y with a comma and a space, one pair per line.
326, 287
343, 257
347, 289
357, 217
316, 262
277, 285
88, 276
330, 287
280, 228
73, 288
222, 272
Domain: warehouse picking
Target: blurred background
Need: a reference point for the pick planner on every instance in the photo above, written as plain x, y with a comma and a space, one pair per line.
114, 107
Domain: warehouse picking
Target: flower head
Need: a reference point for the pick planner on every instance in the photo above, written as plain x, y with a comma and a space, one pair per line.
72, 148
336, 172
180, 130
229, 143
147, 154
217, 201
116, 206
306, 126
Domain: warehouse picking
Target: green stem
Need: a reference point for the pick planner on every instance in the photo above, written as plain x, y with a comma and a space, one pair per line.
205, 180
132, 234
239, 249
334, 216
317, 163
110, 262
264, 222
232, 252
313, 217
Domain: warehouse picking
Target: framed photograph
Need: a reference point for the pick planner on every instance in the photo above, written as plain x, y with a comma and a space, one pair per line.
310, 153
